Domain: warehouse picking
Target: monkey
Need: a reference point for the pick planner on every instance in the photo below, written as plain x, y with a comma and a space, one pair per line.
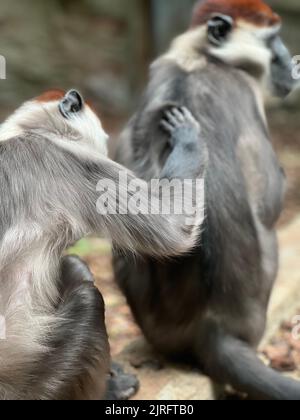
53, 152
209, 306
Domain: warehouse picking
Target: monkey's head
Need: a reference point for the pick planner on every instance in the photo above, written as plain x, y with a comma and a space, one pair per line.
61, 116
246, 35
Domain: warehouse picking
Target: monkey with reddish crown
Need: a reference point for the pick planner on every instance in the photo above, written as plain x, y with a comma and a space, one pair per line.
210, 305
53, 342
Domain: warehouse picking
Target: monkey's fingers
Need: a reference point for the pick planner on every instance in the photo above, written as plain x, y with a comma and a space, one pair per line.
166, 126
178, 114
189, 118
187, 114
171, 117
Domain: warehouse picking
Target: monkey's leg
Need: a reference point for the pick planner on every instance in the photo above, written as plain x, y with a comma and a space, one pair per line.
228, 360
120, 386
73, 271
77, 361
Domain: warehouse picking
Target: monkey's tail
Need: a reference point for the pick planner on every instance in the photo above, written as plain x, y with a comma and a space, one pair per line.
231, 361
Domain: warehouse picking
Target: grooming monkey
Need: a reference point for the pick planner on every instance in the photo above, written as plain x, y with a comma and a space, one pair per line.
210, 306
52, 155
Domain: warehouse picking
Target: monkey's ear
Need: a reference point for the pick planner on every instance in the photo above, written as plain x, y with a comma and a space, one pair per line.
218, 29
72, 103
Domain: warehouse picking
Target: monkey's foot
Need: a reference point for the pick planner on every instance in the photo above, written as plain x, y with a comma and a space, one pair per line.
180, 124
73, 271
121, 386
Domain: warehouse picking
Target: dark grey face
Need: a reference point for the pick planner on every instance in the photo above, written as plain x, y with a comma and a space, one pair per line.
219, 29
281, 68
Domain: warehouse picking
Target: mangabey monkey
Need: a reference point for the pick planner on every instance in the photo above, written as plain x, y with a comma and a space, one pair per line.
52, 155
211, 305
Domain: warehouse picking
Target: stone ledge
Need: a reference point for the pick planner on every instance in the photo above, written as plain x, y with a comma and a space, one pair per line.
160, 382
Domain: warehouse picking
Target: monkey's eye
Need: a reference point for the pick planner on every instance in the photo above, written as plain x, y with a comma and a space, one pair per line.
219, 27
72, 103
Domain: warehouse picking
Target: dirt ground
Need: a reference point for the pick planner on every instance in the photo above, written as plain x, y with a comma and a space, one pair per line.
283, 352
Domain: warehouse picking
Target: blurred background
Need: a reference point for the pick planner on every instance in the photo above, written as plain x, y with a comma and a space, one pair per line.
103, 48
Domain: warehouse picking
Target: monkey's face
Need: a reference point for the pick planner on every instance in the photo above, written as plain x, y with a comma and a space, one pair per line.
59, 115
246, 35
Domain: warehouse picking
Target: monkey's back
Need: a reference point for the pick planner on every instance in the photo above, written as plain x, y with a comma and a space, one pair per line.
240, 211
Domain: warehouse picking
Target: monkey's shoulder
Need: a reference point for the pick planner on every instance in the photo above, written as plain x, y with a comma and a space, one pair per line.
211, 93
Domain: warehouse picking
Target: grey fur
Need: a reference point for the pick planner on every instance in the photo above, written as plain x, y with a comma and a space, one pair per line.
56, 345
210, 307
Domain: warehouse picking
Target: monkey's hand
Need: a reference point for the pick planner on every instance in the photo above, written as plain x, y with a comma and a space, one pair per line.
188, 158
182, 127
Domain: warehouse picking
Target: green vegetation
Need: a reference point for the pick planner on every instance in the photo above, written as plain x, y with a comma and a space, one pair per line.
89, 246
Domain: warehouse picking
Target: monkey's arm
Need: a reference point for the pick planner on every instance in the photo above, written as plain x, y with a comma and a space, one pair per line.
148, 232
124, 153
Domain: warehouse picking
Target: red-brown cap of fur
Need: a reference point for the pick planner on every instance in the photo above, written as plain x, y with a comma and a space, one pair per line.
51, 95
253, 11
